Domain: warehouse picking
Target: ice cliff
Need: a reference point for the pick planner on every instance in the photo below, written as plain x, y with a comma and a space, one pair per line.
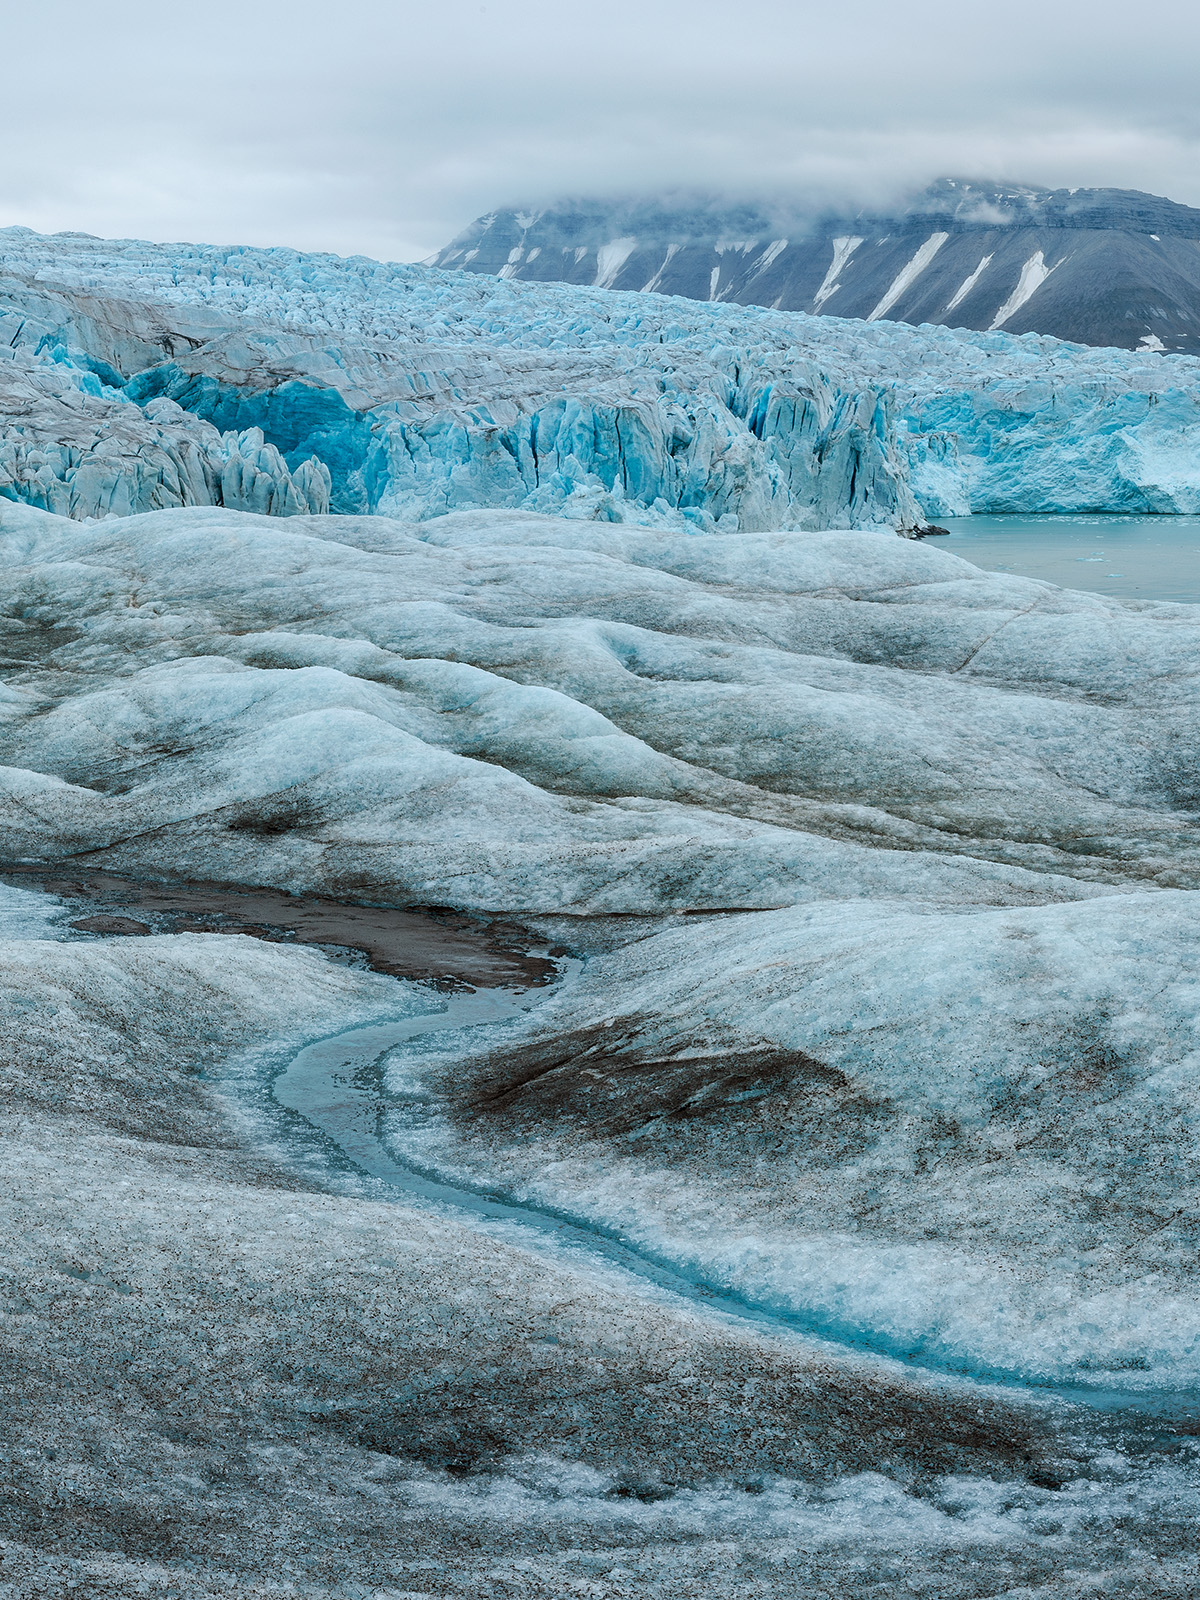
420, 392
73, 445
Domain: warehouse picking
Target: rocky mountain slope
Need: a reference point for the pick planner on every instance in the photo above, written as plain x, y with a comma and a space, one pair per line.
1098, 266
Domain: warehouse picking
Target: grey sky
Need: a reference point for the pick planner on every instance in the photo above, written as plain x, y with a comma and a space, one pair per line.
383, 126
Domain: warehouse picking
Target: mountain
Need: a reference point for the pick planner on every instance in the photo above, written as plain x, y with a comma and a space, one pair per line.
1096, 266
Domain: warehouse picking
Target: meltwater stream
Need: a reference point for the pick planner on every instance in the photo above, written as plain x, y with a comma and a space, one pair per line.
336, 1085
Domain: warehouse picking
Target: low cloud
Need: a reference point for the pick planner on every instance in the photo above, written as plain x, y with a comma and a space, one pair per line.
383, 128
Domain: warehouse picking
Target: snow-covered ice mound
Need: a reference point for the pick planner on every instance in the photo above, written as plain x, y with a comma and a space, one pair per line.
519, 713
968, 1136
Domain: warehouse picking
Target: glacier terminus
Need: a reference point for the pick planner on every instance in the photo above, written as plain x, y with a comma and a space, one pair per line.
142, 376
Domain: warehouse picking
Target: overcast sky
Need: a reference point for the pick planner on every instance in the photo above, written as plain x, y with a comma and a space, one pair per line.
384, 126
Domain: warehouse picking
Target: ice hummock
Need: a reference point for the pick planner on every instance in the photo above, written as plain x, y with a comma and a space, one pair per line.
899, 860
966, 1137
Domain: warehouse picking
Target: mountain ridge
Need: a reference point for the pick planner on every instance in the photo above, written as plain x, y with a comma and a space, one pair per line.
1100, 267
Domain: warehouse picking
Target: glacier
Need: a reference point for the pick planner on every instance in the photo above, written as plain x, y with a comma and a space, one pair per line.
214, 1335
73, 445
881, 873
603, 718
421, 392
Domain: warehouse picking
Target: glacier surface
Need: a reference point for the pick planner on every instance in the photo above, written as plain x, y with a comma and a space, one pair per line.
531, 714
314, 1388
421, 392
962, 805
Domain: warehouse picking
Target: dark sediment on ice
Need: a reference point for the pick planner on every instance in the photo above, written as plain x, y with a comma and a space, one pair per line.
423, 944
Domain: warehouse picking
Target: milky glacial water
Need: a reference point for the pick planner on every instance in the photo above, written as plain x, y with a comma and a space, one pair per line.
1138, 558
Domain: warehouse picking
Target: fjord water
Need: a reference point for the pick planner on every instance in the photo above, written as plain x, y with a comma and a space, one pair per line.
1127, 557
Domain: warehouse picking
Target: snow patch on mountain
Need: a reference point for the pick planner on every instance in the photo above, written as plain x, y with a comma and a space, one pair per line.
1033, 274
843, 249
610, 259
908, 275
968, 283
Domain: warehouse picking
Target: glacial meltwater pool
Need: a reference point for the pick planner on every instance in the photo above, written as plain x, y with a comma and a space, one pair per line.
1129, 558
